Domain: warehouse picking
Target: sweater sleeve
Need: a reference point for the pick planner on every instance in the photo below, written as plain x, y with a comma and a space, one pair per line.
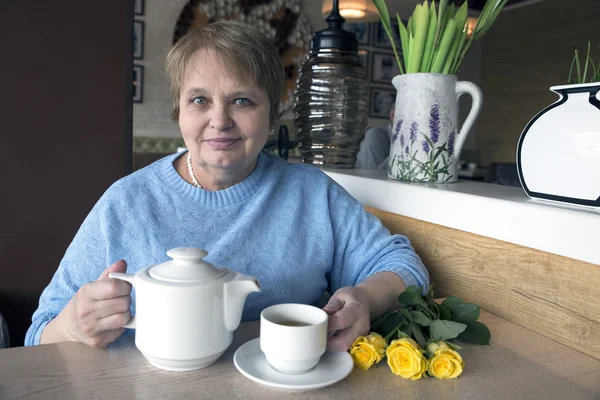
363, 247
83, 262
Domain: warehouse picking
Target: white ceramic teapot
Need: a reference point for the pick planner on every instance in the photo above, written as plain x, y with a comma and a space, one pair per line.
186, 309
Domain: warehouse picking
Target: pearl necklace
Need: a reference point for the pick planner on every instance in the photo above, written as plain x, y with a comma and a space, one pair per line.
191, 171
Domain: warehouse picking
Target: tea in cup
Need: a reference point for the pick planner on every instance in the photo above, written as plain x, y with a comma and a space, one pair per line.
293, 337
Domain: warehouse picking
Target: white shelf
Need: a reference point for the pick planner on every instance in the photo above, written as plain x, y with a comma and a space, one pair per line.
496, 211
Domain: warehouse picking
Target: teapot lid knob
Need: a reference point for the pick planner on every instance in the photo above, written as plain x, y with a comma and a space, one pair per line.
187, 266
187, 254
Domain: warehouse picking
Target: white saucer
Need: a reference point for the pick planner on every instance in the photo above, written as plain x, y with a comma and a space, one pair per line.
332, 368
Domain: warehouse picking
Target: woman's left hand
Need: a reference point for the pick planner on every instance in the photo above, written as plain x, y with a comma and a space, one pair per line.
349, 317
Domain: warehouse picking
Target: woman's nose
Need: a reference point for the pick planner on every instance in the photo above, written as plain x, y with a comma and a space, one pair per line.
220, 118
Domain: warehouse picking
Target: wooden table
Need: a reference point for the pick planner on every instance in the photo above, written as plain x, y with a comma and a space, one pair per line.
519, 364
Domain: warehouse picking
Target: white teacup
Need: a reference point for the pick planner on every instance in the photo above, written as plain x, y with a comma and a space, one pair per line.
293, 337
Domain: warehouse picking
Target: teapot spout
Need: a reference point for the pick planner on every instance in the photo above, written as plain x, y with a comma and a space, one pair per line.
235, 293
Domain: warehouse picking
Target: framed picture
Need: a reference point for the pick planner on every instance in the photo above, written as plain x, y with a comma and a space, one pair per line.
138, 7
383, 67
138, 83
364, 59
138, 40
382, 101
381, 40
361, 31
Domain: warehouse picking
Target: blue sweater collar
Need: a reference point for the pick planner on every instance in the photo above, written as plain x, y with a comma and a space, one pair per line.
237, 193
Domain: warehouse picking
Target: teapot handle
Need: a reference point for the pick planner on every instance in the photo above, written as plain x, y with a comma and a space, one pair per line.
127, 278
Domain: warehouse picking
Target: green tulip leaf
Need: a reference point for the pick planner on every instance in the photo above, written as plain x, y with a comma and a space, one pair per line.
420, 27
384, 15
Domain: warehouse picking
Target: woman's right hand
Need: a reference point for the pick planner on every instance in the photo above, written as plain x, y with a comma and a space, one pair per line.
96, 314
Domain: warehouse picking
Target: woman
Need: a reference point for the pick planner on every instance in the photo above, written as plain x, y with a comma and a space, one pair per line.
290, 226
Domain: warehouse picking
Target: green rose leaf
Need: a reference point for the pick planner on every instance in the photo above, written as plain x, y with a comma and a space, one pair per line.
416, 331
401, 334
407, 331
444, 312
451, 301
476, 333
411, 296
441, 329
465, 313
389, 323
435, 309
454, 346
406, 314
420, 318
378, 323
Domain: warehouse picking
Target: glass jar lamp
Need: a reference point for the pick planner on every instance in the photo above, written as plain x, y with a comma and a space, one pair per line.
331, 99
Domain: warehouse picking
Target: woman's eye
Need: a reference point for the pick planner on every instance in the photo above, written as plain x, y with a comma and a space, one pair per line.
242, 102
199, 100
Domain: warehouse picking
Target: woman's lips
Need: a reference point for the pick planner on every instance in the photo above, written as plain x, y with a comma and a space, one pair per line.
221, 143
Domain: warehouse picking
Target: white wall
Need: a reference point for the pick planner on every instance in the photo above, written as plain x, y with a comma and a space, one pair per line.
151, 118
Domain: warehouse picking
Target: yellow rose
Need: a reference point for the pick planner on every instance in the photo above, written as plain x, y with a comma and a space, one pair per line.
405, 358
368, 350
445, 363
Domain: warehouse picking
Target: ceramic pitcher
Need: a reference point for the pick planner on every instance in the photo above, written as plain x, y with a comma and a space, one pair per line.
426, 139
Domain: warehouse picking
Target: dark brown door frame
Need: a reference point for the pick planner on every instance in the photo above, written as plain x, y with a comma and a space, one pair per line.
66, 117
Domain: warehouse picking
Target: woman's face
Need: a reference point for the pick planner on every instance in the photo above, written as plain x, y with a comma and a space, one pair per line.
224, 123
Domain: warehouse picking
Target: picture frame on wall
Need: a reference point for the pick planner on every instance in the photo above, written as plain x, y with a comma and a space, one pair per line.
138, 7
138, 40
138, 83
384, 68
380, 38
361, 31
381, 102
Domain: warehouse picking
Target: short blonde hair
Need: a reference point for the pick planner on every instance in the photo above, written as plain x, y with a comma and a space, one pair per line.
247, 53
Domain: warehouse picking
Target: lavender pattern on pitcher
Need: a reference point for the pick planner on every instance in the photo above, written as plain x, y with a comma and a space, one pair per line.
434, 123
433, 166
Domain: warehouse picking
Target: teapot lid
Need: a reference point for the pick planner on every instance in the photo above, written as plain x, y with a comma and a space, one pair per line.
187, 266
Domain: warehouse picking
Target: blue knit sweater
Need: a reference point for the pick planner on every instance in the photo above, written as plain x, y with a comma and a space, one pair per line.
289, 225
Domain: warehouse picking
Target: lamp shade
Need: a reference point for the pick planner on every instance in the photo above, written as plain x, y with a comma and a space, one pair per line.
353, 10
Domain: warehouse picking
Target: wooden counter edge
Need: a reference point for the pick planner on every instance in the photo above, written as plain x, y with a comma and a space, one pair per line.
555, 296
